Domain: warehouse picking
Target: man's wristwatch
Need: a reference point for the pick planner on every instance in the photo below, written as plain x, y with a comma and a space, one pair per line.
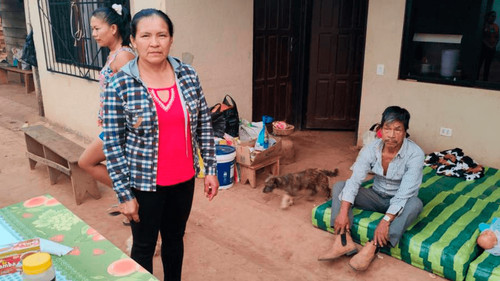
387, 218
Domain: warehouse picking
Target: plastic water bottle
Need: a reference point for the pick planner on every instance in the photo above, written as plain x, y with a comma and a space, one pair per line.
38, 267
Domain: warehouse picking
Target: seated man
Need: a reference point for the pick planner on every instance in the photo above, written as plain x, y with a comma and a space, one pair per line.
397, 164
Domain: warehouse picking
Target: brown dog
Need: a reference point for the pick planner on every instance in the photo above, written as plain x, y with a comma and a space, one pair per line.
310, 179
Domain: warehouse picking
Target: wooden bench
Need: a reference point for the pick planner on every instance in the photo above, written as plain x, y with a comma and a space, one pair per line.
26, 75
248, 172
61, 157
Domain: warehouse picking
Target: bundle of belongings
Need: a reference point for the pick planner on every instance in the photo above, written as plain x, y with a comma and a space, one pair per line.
454, 163
489, 239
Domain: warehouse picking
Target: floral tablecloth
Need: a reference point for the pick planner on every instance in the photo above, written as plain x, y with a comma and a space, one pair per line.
93, 257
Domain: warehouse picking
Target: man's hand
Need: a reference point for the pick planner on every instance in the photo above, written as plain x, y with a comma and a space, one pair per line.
381, 237
130, 209
211, 186
341, 224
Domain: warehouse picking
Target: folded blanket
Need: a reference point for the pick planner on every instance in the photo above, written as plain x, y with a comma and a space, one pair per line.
454, 163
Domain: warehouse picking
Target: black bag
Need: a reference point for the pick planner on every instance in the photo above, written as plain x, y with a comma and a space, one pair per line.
231, 116
225, 118
29, 53
218, 121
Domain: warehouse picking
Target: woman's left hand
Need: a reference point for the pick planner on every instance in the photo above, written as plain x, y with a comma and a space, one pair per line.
211, 186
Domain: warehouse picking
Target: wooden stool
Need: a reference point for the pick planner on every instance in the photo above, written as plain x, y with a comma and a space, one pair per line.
248, 172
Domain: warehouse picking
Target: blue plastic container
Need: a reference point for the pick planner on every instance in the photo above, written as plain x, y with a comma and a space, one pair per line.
225, 165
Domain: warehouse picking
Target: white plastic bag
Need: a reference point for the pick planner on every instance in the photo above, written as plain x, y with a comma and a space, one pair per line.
368, 137
16, 55
371, 134
249, 130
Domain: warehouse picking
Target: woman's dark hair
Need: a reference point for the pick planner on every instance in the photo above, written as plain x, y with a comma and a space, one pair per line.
490, 13
110, 16
148, 13
396, 113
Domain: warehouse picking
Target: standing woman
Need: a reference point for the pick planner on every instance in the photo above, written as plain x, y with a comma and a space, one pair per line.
155, 118
489, 43
110, 29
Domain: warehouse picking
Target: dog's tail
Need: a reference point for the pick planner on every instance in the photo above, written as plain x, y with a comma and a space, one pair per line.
331, 173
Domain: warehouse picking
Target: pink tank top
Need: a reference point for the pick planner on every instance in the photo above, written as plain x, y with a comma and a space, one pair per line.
175, 153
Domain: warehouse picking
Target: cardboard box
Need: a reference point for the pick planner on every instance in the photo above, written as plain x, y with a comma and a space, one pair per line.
11, 255
246, 156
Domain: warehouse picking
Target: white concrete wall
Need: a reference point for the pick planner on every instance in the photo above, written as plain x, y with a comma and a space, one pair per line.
472, 114
68, 101
137, 5
217, 33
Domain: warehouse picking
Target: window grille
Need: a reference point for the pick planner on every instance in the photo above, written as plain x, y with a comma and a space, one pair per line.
67, 37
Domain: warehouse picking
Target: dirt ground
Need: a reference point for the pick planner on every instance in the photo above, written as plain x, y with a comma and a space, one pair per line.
241, 235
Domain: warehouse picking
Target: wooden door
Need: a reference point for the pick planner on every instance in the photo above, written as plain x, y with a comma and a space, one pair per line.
335, 63
276, 25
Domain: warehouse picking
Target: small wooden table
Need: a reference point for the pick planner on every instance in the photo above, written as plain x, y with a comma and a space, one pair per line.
248, 172
26, 75
61, 157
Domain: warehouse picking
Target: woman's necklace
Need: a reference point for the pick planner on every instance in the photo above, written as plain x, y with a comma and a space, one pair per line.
170, 101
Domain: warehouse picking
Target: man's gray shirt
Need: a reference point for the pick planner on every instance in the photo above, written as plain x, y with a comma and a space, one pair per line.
402, 180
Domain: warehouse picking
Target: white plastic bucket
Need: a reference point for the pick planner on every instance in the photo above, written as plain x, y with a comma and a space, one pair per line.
225, 165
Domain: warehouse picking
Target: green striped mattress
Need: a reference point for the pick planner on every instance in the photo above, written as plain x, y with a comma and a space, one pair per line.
485, 267
443, 238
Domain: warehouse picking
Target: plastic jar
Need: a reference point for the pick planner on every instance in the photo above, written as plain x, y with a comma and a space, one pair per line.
38, 267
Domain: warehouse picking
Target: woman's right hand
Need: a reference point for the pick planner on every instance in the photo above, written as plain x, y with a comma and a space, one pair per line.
130, 209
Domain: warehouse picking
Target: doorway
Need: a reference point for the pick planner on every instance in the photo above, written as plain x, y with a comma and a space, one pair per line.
308, 59
276, 31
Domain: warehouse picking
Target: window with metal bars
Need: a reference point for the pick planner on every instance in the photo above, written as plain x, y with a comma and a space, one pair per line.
67, 37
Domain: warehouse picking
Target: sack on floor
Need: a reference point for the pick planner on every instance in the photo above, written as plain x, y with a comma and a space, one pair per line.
225, 118
249, 130
371, 134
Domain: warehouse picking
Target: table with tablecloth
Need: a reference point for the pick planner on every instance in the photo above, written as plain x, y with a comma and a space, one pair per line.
93, 257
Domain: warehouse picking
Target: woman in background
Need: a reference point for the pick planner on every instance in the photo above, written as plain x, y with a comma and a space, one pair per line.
111, 29
155, 119
489, 43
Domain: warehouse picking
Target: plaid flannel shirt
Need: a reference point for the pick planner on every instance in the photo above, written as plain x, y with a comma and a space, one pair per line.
130, 127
